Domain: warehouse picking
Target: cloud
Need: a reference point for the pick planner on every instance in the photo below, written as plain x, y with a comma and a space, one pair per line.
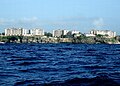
22, 22
99, 22
15, 21
28, 20
5, 21
1, 21
83, 24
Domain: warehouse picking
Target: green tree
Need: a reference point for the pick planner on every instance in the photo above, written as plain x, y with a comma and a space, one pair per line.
48, 34
21, 38
99, 35
12, 38
3, 33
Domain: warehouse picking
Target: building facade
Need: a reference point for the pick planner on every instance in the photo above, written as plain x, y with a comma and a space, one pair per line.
37, 32
73, 32
89, 35
15, 32
103, 32
65, 32
57, 33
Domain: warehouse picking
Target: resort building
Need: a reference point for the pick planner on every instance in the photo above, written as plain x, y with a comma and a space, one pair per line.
73, 32
37, 32
108, 33
57, 33
89, 35
65, 32
15, 32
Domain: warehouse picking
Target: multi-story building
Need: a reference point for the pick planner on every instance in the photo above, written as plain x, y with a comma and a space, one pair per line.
15, 32
57, 33
73, 32
65, 32
103, 32
37, 31
89, 35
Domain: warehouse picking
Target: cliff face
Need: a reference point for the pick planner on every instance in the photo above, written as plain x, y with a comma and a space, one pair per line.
34, 39
96, 40
39, 39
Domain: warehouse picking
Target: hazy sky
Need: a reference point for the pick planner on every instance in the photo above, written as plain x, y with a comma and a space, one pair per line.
82, 15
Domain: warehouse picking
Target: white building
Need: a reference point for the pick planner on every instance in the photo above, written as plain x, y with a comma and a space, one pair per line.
65, 32
89, 35
57, 33
15, 32
103, 32
37, 31
73, 32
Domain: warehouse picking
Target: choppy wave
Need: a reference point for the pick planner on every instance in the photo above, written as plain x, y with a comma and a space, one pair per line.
59, 64
97, 81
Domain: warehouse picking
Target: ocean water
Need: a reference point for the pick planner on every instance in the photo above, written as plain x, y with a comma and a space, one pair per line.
59, 65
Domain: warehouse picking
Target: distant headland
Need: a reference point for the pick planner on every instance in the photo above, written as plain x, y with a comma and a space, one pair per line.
20, 35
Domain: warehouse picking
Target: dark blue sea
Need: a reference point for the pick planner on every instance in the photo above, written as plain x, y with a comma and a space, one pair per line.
59, 65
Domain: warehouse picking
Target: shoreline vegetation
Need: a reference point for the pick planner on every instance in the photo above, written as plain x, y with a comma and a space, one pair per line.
99, 39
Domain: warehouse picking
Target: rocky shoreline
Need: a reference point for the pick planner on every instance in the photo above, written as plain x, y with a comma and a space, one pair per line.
42, 39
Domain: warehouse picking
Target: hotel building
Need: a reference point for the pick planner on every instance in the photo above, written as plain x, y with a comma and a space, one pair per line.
59, 32
37, 32
15, 32
109, 33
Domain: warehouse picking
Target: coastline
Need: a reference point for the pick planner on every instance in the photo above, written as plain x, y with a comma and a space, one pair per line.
42, 39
